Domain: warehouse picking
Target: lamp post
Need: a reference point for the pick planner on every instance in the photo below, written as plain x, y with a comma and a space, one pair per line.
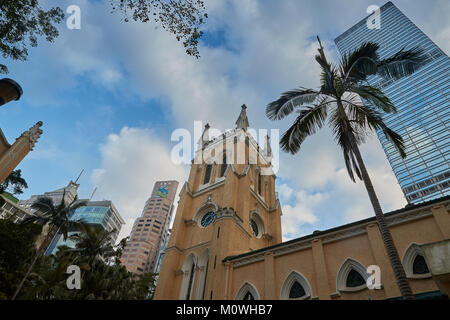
9, 91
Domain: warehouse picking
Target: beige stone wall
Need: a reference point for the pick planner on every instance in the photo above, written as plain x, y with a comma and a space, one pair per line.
319, 259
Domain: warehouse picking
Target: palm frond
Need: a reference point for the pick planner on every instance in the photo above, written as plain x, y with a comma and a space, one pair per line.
342, 130
375, 96
402, 63
282, 107
328, 74
308, 121
364, 118
43, 205
360, 63
395, 139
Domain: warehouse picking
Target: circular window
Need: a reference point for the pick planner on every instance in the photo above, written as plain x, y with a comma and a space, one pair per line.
207, 219
255, 228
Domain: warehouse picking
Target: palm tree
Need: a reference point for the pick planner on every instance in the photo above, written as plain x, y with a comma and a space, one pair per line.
14, 181
339, 100
58, 220
93, 242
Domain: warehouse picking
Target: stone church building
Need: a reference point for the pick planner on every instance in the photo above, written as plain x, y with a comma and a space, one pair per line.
226, 241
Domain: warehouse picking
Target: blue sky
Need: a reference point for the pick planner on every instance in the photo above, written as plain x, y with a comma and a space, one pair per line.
111, 93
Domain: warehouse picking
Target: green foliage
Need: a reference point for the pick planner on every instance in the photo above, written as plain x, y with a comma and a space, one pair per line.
182, 18
100, 279
14, 259
14, 181
21, 22
338, 100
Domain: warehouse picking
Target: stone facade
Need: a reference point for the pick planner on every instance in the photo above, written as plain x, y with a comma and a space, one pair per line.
12, 155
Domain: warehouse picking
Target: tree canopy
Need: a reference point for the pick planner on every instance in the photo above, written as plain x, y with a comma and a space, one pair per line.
22, 22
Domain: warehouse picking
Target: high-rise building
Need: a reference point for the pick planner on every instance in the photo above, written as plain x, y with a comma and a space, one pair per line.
97, 213
11, 209
422, 101
150, 231
69, 192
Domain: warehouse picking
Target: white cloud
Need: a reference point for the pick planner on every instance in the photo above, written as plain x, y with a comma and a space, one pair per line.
270, 48
302, 212
132, 161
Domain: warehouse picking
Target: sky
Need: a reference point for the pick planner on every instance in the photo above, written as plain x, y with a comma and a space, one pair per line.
111, 93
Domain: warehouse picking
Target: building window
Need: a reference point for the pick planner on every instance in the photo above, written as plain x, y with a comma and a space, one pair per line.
191, 279
295, 287
254, 227
224, 166
207, 174
414, 263
248, 296
259, 184
354, 279
352, 276
247, 292
297, 291
420, 266
207, 219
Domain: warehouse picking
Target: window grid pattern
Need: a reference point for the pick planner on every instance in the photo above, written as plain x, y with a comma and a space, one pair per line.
422, 101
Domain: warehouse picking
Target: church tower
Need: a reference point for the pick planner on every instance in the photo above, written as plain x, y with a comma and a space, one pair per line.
227, 207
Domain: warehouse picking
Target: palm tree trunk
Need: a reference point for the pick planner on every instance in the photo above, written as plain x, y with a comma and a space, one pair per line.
397, 266
38, 254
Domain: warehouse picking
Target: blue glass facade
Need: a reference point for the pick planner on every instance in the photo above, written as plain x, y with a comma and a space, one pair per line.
98, 213
422, 101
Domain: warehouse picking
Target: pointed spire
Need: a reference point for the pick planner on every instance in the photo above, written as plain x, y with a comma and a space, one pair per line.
242, 121
267, 148
204, 139
33, 134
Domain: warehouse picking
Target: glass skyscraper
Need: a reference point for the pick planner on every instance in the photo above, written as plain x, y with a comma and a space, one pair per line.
422, 101
97, 213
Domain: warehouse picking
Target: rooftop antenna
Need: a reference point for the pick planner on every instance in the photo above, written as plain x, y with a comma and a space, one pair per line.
95, 189
79, 176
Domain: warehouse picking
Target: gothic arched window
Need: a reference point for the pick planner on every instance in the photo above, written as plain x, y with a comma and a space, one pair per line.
188, 271
259, 184
420, 266
295, 287
256, 225
207, 174
354, 279
247, 292
414, 262
297, 291
352, 276
248, 296
191, 279
223, 168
